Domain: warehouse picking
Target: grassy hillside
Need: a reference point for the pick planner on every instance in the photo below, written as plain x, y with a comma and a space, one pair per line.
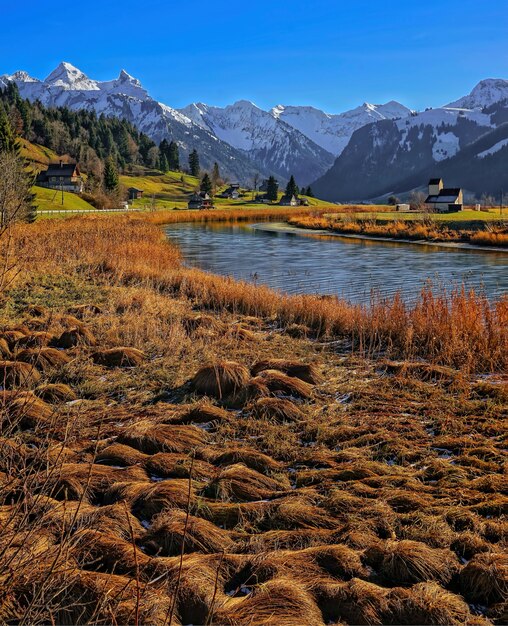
172, 189
40, 156
51, 200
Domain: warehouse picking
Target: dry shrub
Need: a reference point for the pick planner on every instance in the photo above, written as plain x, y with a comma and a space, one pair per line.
428, 603
168, 465
150, 499
298, 331
85, 310
99, 551
498, 613
355, 602
467, 544
151, 438
250, 457
277, 410
39, 339
44, 359
36, 310
236, 331
306, 372
24, 409
172, 528
18, 374
240, 483
192, 323
5, 351
485, 578
11, 337
119, 357
277, 382
221, 379
75, 481
461, 519
281, 601
423, 371
297, 512
407, 562
93, 597
497, 392
490, 483
430, 529
80, 335
202, 413
56, 393
120, 455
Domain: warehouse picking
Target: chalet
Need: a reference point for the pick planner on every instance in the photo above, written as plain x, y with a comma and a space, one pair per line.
232, 192
135, 193
444, 199
61, 176
200, 201
288, 201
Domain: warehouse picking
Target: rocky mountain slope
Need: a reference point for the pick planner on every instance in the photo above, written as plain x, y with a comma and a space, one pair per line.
394, 156
126, 98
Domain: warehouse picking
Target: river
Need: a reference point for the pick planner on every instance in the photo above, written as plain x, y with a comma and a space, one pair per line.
350, 268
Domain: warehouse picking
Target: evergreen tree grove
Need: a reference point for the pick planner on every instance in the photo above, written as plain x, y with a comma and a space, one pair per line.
173, 157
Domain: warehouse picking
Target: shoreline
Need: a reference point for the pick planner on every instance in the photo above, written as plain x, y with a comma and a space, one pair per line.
282, 227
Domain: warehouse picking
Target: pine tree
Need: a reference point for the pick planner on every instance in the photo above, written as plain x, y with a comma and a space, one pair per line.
163, 163
173, 157
194, 163
215, 175
206, 184
110, 176
272, 189
8, 139
309, 192
291, 187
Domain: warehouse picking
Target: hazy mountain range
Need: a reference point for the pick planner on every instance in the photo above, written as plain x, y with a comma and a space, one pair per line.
370, 151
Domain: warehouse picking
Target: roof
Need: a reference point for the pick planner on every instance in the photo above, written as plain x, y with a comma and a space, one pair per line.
134, 189
445, 196
435, 181
61, 169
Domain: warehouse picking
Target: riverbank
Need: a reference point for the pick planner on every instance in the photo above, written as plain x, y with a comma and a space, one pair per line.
301, 230
178, 447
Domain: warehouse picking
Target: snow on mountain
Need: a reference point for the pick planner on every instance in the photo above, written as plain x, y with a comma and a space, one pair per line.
264, 137
486, 93
68, 77
493, 149
125, 97
333, 132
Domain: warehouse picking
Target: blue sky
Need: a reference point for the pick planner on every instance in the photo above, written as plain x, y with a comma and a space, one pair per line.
330, 54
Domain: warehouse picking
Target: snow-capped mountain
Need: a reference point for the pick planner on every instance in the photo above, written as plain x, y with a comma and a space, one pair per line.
394, 156
126, 98
486, 93
333, 132
265, 138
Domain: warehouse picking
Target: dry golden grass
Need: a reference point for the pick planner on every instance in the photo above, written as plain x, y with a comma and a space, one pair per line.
315, 487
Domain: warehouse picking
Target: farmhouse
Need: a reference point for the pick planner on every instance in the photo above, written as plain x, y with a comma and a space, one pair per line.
61, 176
200, 201
444, 199
135, 193
232, 192
288, 201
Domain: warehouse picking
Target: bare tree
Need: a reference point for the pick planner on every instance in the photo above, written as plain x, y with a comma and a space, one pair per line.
417, 200
16, 198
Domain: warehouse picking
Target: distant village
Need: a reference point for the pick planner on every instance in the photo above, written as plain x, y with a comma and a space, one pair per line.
67, 177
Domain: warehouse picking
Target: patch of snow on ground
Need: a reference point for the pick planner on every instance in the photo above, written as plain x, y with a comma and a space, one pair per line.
445, 146
493, 149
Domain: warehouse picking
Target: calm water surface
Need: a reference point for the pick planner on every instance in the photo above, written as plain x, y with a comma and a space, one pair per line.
350, 268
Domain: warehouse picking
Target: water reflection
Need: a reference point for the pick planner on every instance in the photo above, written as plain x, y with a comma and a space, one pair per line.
351, 268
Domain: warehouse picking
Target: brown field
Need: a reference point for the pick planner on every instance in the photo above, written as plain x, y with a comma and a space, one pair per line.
180, 448
491, 234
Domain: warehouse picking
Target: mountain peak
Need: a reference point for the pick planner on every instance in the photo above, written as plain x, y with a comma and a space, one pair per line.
125, 77
23, 76
487, 92
69, 77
